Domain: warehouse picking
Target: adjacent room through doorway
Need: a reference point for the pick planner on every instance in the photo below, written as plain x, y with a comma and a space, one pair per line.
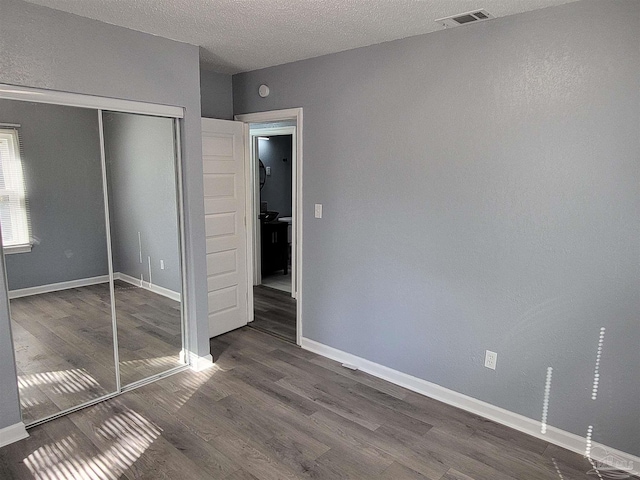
274, 166
273, 159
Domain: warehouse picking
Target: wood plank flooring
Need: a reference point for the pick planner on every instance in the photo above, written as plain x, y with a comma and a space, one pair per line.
64, 343
274, 312
269, 410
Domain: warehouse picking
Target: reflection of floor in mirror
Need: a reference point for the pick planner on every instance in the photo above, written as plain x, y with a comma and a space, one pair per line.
149, 332
64, 343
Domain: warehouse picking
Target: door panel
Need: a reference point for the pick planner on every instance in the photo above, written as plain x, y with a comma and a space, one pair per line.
225, 229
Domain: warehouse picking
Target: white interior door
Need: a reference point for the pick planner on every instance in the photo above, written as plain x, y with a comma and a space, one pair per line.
225, 227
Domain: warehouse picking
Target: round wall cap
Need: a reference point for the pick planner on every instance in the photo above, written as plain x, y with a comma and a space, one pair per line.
263, 91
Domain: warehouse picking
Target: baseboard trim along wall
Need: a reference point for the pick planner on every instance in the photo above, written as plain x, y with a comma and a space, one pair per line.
55, 287
12, 433
196, 362
165, 292
85, 282
599, 453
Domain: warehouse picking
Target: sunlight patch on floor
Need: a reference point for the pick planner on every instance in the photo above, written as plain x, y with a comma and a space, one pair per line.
165, 363
43, 388
64, 381
184, 386
127, 435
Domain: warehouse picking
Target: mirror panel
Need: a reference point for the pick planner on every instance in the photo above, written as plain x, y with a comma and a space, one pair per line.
59, 284
140, 155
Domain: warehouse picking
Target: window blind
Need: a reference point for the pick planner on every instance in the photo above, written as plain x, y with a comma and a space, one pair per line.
14, 213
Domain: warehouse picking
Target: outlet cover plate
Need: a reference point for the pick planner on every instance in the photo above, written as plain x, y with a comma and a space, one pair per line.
490, 359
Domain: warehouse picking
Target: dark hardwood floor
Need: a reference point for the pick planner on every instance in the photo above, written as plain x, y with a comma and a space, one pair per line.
64, 344
274, 312
270, 410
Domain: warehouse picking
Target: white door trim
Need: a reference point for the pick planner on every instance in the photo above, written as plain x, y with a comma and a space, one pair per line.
278, 116
249, 181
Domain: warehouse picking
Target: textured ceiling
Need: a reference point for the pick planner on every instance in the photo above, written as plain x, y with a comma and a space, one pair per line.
241, 35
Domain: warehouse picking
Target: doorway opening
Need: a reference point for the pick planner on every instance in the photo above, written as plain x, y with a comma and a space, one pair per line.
274, 154
274, 186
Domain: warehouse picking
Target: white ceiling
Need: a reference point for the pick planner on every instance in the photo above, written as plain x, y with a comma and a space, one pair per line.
242, 35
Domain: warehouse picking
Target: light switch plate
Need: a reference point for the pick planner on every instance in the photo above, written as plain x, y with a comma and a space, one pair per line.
318, 210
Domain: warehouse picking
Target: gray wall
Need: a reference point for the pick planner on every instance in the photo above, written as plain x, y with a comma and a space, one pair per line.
140, 159
277, 188
63, 179
481, 191
55, 50
216, 95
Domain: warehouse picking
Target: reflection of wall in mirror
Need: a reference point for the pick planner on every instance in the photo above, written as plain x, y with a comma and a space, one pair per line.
63, 180
140, 158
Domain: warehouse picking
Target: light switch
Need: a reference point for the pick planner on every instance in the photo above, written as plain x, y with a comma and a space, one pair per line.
318, 211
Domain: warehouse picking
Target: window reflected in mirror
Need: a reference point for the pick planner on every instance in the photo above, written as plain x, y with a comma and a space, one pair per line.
59, 289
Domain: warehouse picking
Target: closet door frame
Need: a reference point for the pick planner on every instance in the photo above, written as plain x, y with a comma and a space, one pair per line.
100, 104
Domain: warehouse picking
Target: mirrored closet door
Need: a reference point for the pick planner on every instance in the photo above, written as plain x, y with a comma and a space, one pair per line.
89, 210
145, 238
56, 256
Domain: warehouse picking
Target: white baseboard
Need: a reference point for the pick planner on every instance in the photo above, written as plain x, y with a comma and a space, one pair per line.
85, 282
196, 362
165, 292
562, 438
56, 287
12, 433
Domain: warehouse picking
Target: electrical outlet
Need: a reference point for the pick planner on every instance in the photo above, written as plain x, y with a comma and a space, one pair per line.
268, 171
490, 359
161, 264
318, 210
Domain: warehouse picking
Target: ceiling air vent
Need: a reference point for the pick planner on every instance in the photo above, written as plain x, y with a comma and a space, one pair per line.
464, 18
